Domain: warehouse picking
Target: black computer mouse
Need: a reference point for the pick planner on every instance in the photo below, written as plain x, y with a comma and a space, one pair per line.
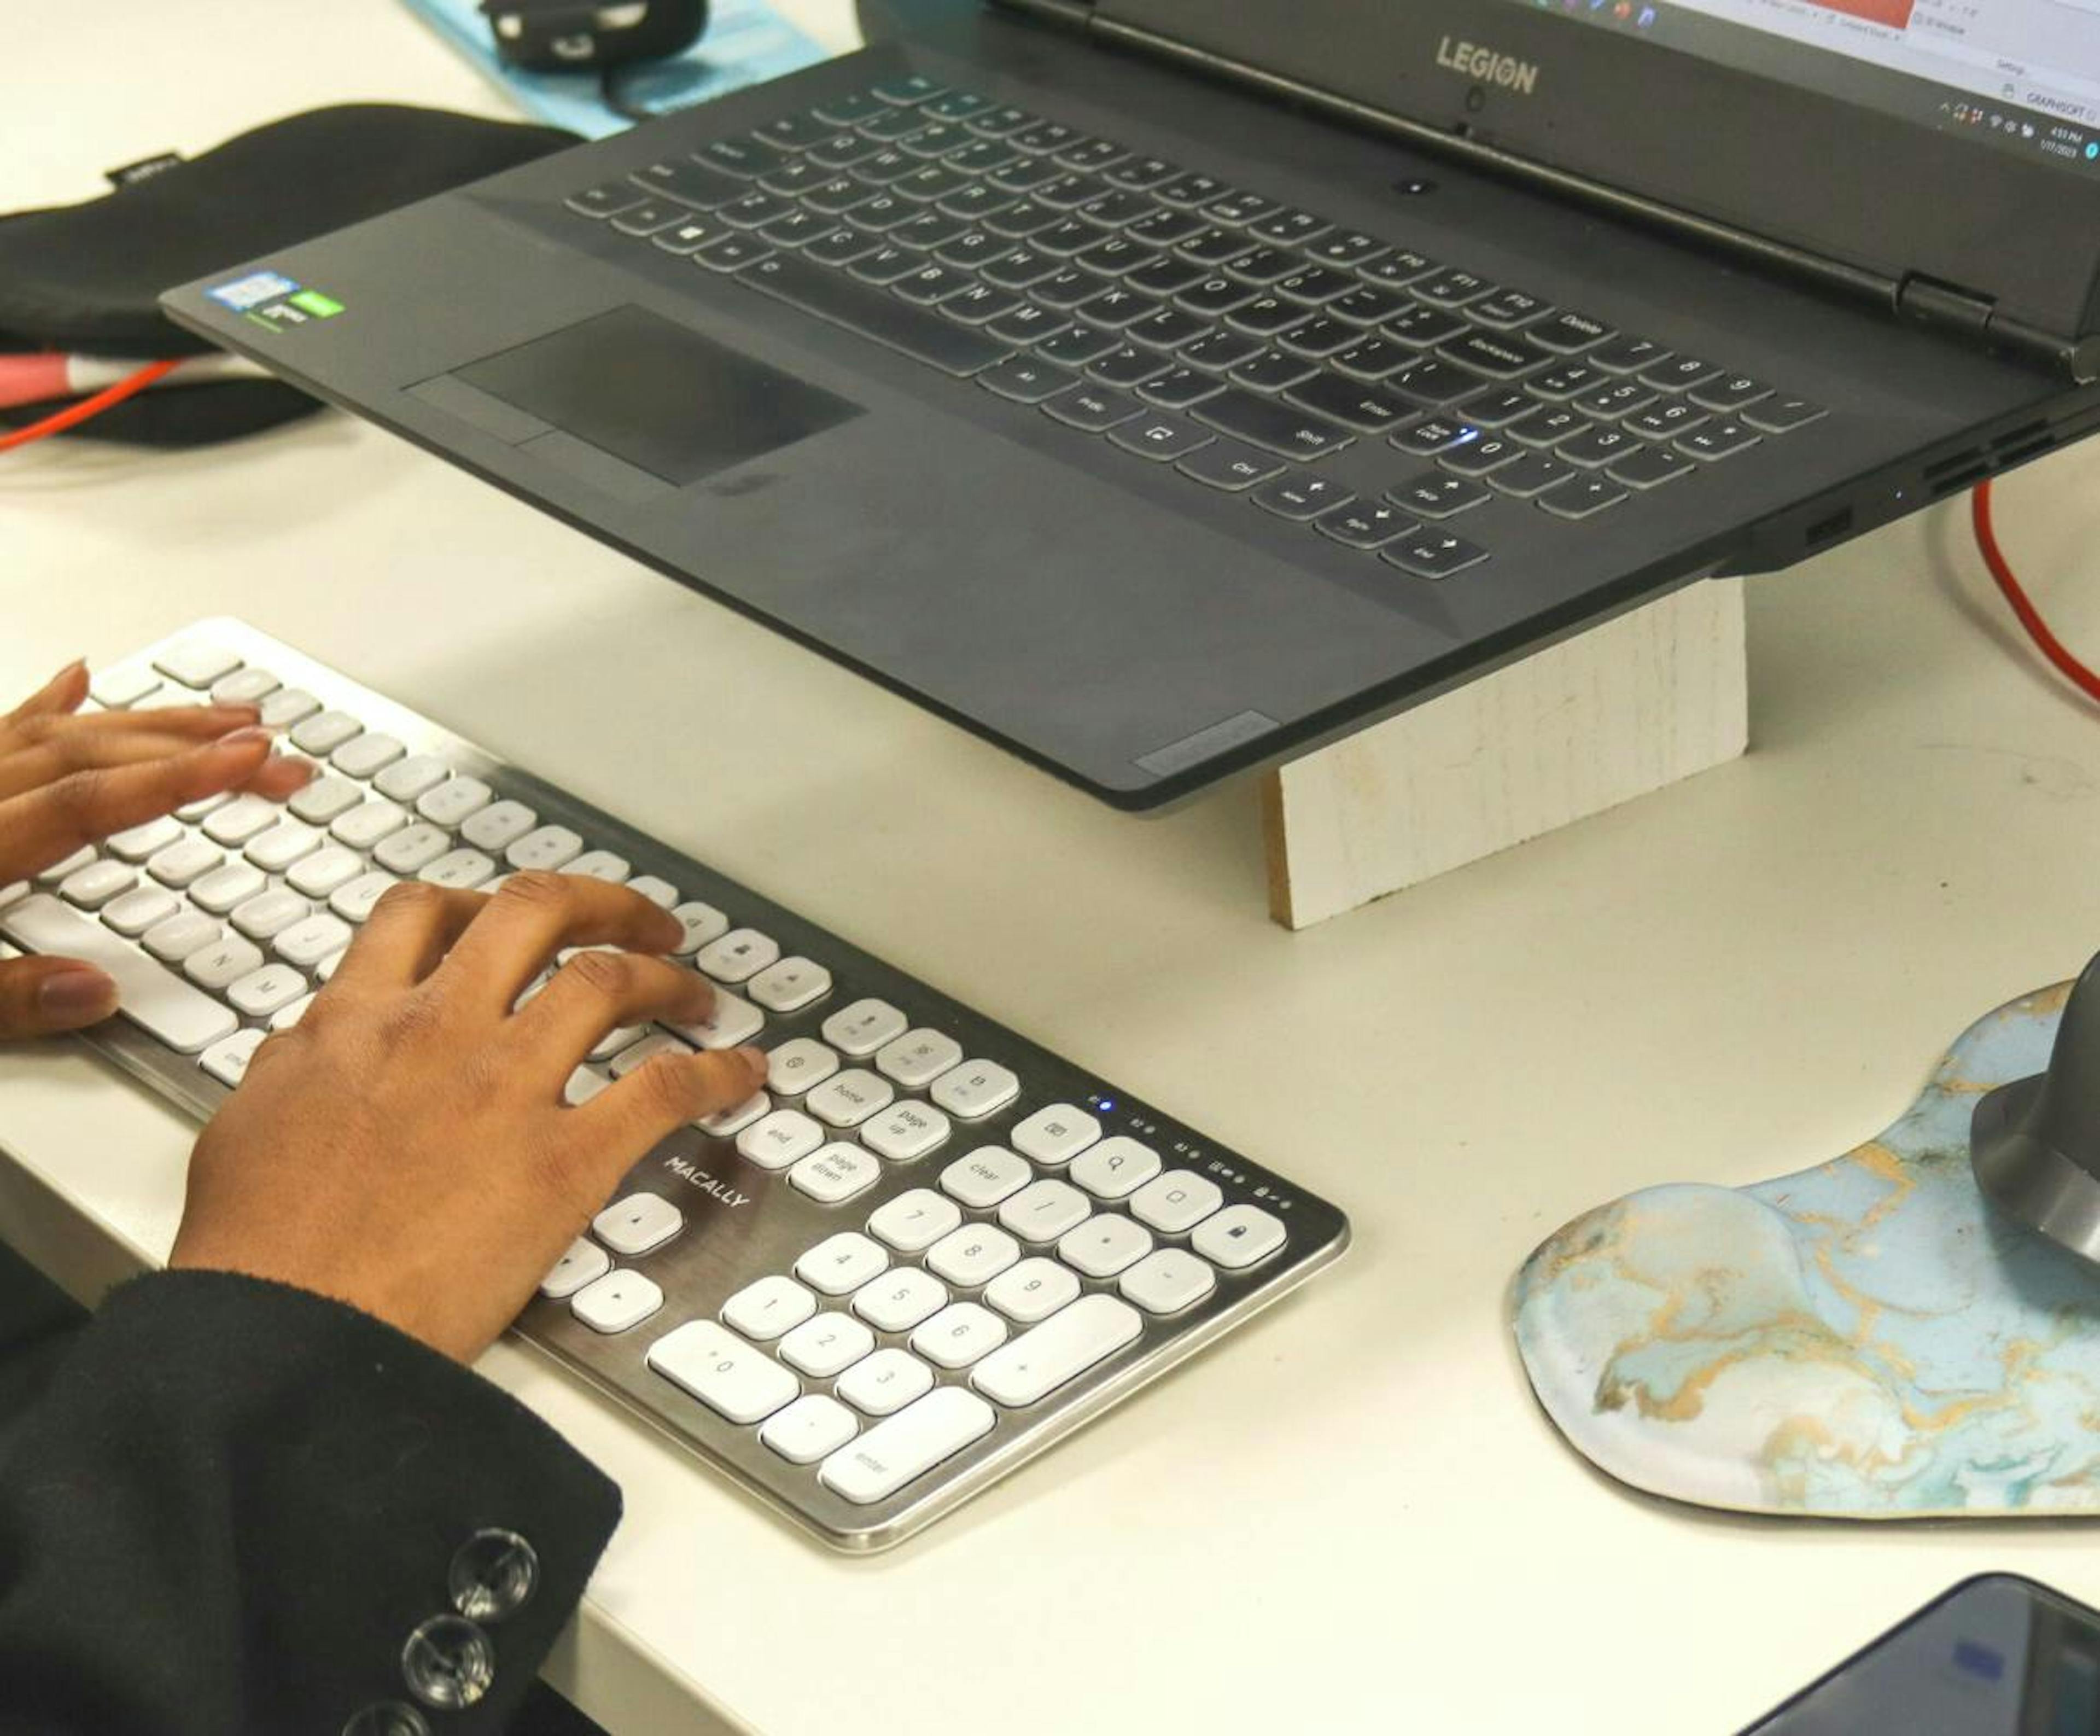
2035, 1144
568, 35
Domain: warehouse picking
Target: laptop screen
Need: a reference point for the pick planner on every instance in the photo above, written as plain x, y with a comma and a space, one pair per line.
2021, 75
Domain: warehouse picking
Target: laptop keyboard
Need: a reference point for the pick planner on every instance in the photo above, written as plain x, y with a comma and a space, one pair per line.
1191, 323
928, 1249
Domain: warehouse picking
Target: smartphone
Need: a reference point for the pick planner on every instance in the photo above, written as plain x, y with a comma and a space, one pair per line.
1998, 1655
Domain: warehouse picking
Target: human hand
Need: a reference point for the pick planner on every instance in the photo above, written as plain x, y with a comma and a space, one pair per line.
405, 1147
66, 779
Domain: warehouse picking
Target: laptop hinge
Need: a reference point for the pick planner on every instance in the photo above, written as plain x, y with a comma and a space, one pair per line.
1072, 14
1973, 317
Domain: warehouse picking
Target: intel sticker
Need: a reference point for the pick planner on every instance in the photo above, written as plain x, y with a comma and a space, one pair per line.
252, 290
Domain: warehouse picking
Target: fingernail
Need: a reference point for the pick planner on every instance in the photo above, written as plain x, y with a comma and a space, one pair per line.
74, 668
76, 997
755, 1060
242, 737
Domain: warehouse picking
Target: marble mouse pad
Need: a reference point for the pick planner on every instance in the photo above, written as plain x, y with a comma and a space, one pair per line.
1868, 1339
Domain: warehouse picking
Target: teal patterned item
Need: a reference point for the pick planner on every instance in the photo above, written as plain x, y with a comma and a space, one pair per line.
1866, 1340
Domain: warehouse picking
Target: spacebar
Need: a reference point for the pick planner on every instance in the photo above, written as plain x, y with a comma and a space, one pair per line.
155, 999
875, 313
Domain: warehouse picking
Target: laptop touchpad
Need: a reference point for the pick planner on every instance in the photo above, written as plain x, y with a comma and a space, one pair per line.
656, 394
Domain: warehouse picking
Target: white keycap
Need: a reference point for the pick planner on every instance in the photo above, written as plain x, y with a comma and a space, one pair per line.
797, 1064
412, 849
244, 688
638, 1055
906, 1446
364, 828
835, 1172
974, 1089
702, 923
269, 913
814, 1425
593, 864
1065, 1345
985, 1175
777, 1140
118, 688
448, 803
13, 893
821, 1346
195, 663
136, 911
884, 1382
223, 963
899, 1300
731, 1021
584, 1263
841, 1263
325, 731
725, 1124
792, 982
73, 865
326, 799
287, 706
327, 968
1045, 1209
1167, 1280
499, 825
973, 1255
276, 849
863, 1027
547, 847
305, 944
1055, 1135
173, 939
616, 1302
728, 1375
914, 1221
1179, 1200
848, 1098
660, 892
1237, 1236
261, 992
166, 697
353, 899
1119, 1165
959, 1335
224, 887
155, 1000
1103, 1246
584, 1083
363, 756
182, 863
93, 887
1032, 1291
290, 1014
738, 955
407, 779
142, 842
227, 1060
917, 1058
905, 1131
240, 820
773, 1306
616, 1041
637, 1224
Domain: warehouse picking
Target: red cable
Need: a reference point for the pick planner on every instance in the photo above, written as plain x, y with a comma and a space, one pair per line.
2052, 647
81, 412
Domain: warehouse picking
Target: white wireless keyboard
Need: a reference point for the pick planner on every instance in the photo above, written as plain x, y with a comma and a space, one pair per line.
926, 1251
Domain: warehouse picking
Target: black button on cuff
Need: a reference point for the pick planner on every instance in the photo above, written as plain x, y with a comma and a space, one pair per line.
494, 1574
448, 1662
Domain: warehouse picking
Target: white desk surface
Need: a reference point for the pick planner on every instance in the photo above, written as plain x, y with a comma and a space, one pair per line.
1350, 1516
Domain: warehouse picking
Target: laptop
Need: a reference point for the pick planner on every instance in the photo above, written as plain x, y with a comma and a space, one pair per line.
1159, 388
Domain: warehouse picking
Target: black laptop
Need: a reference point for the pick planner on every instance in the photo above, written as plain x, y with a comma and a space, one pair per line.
1160, 387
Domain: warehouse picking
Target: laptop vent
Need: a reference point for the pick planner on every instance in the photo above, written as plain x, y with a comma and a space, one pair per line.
1964, 469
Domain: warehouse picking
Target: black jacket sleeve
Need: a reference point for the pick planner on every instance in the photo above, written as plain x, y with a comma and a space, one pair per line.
226, 1504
